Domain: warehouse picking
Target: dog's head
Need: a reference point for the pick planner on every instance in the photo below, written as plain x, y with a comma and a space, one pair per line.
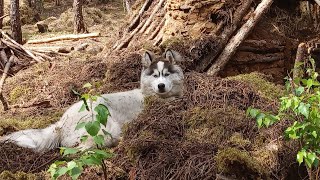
161, 76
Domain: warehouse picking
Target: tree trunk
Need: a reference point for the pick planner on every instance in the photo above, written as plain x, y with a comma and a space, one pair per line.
78, 17
1, 13
15, 21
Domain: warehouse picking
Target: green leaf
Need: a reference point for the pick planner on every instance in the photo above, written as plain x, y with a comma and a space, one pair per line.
67, 151
299, 90
314, 134
311, 156
85, 97
80, 125
93, 128
84, 138
87, 85
301, 154
99, 140
102, 113
75, 173
71, 165
304, 109
259, 118
253, 112
61, 171
83, 107
90, 160
309, 83
103, 154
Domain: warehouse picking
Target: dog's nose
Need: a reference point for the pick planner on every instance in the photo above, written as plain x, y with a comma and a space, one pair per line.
161, 86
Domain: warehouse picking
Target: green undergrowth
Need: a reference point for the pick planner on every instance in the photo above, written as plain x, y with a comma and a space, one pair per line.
260, 83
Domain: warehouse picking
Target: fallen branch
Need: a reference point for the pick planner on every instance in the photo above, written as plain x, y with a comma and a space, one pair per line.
157, 30
134, 23
155, 10
226, 35
64, 37
235, 41
20, 46
2, 80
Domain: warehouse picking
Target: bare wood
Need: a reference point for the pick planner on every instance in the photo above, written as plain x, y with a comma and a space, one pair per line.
157, 30
318, 2
145, 6
64, 37
226, 34
43, 56
4, 16
155, 10
301, 56
20, 46
2, 80
235, 41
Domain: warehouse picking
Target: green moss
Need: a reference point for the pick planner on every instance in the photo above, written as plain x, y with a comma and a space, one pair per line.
17, 176
214, 135
18, 92
212, 117
237, 140
171, 42
258, 81
235, 161
20, 122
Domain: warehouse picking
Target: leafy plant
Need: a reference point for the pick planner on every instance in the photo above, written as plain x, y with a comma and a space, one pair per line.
301, 106
90, 157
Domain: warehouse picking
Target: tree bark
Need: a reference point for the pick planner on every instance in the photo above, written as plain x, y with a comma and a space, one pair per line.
15, 21
57, 2
241, 35
1, 13
78, 17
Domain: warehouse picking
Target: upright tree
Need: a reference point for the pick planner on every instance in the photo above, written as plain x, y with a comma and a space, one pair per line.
1, 13
78, 17
15, 21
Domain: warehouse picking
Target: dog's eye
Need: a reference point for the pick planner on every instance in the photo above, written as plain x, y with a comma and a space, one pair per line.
166, 74
155, 75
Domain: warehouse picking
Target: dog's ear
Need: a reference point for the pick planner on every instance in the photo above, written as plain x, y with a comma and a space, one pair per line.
146, 59
172, 56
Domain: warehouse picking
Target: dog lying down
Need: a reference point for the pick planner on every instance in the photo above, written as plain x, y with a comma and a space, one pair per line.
160, 76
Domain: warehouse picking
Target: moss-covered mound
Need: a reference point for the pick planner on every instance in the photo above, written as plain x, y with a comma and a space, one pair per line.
205, 133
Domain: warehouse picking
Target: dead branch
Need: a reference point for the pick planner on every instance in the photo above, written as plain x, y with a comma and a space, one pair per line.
4, 16
20, 47
64, 37
155, 10
301, 56
157, 30
226, 34
318, 2
134, 23
235, 41
2, 80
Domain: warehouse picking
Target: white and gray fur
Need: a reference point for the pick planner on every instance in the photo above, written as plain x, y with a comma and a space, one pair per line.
160, 76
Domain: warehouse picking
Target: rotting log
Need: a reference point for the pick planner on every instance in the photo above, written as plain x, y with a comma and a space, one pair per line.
64, 37
225, 35
241, 35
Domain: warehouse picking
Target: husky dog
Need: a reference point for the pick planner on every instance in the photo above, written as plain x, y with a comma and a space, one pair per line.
160, 76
